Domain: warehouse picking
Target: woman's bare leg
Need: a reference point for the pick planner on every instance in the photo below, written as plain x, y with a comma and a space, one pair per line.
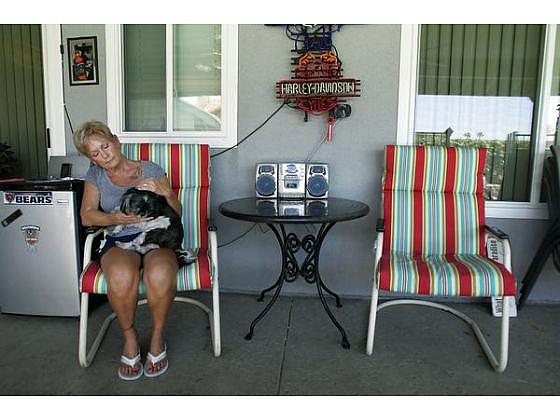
122, 270
160, 271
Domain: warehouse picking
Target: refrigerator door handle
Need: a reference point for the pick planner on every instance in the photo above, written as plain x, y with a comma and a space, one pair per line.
11, 218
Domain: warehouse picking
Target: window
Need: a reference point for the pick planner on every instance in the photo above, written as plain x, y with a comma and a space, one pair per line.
173, 83
553, 112
484, 85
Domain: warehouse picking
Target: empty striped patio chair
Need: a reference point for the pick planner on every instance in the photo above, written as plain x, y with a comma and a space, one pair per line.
432, 239
188, 168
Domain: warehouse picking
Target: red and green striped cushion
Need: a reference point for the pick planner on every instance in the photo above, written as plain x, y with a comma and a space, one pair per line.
188, 168
194, 276
186, 165
433, 200
445, 275
433, 212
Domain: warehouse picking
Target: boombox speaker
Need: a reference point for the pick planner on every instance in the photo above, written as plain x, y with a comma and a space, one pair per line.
317, 180
266, 181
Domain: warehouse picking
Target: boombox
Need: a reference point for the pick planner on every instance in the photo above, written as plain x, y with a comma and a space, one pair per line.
266, 182
292, 180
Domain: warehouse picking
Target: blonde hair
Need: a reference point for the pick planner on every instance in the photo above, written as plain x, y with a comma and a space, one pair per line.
88, 129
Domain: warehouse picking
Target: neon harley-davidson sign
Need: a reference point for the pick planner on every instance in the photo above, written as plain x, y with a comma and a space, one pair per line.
302, 88
317, 83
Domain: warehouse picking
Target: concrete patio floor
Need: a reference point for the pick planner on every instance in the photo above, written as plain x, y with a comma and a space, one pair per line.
295, 351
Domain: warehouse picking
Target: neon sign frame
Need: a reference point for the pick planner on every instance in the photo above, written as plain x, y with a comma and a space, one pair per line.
317, 84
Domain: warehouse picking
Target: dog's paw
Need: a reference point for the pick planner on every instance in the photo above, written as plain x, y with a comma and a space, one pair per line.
160, 222
102, 244
186, 256
117, 229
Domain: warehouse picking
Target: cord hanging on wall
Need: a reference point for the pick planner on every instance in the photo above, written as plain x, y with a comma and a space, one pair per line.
251, 133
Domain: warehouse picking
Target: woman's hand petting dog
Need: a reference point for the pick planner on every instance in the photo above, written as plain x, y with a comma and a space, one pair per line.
120, 218
158, 186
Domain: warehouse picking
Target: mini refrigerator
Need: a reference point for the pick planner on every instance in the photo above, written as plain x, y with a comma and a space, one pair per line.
40, 247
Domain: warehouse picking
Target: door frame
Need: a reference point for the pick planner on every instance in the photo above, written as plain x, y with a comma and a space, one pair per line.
53, 89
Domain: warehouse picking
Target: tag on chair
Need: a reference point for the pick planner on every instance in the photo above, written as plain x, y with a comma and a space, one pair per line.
498, 307
495, 249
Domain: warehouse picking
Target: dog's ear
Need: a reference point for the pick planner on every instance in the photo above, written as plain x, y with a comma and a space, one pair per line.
144, 205
151, 204
125, 204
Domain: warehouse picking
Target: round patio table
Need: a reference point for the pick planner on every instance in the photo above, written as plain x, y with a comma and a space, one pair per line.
277, 213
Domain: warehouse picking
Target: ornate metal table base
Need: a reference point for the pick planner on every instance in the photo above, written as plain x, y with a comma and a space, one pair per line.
309, 270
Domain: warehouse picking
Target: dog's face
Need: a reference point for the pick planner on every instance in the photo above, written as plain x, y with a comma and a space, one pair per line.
163, 229
141, 203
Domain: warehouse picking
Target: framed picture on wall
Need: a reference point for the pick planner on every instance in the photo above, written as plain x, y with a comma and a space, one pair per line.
82, 61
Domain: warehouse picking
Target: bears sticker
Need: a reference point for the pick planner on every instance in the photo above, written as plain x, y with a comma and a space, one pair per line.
28, 198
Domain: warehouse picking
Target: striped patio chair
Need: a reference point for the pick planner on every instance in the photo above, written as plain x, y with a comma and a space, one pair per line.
432, 239
188, 168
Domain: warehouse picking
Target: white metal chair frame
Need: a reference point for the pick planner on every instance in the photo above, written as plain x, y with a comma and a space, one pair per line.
498, 365
86, 357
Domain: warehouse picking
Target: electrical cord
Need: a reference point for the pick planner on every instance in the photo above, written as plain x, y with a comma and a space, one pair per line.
310, 228
216, 154
321, 142
316, 148
252, 132
68, 118
239, 237
261, 228
300, 33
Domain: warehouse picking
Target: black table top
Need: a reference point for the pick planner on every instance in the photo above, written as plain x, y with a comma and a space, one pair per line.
261, 210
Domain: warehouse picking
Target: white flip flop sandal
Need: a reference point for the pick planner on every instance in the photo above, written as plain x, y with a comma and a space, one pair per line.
156, 359
131, 362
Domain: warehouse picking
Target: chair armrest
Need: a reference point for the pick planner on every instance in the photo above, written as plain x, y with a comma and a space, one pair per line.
380, 227
496, 232
92, 234
213, 251
498, 246
91, 229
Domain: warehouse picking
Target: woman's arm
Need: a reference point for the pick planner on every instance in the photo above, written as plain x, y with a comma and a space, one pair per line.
92, 216
162, 187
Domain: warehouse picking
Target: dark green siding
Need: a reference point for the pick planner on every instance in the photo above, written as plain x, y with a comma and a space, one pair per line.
480, 60
22, 115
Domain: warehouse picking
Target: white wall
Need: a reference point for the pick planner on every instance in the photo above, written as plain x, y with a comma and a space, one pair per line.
85, 102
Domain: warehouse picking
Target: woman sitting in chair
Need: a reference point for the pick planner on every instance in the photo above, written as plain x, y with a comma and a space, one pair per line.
106, 182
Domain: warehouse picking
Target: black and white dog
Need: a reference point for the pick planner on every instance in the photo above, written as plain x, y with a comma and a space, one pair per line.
163, 229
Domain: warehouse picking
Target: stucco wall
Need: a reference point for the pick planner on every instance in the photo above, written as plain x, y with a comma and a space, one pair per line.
84, 102
368, 52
